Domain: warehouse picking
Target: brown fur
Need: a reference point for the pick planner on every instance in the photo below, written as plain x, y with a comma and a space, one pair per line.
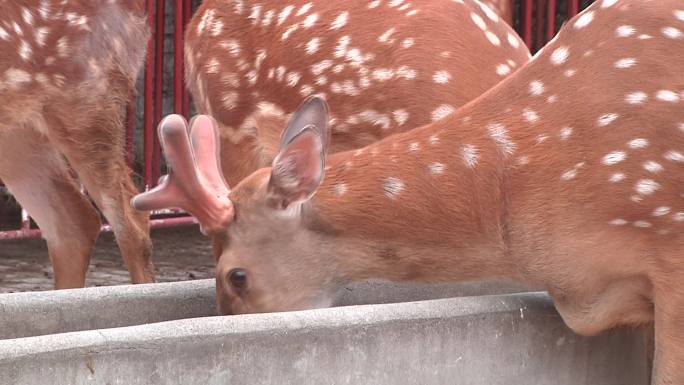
250, 136
62, 107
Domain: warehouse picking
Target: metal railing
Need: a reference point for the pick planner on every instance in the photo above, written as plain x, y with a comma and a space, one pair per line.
537, 21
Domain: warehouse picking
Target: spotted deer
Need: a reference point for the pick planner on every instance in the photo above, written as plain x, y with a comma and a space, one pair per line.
567, 175
384, 66
67, 70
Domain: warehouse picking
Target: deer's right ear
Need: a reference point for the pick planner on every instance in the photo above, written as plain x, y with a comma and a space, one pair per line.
298, 169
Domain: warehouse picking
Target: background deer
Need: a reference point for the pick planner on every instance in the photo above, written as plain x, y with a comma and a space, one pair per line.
567, 175
67, 70
384, 66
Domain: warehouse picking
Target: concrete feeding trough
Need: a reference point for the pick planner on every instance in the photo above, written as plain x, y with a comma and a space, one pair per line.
483, 339
37, 313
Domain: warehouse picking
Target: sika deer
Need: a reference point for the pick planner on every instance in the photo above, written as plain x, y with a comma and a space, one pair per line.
385, 66
567, 175
67, 70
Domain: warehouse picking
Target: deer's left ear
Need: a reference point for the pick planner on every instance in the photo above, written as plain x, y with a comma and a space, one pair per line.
298, 169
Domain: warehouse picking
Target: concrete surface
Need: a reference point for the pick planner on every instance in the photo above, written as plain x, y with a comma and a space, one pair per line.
509, 339
37, 313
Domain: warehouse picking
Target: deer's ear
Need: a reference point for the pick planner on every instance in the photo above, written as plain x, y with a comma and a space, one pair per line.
311, 114
298, 169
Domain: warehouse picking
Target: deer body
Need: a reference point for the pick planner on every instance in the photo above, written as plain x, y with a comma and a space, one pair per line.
67, 70
385, 66
567, 175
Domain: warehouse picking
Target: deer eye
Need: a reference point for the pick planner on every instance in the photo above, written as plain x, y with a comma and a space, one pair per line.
238, 279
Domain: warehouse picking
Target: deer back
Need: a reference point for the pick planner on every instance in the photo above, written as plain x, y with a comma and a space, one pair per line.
383, 67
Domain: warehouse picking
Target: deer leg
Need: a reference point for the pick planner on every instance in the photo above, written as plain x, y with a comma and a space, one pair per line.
94, 149
38, 177
668, 367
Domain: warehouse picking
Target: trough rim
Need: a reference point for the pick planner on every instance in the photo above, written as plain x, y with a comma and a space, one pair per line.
152, 335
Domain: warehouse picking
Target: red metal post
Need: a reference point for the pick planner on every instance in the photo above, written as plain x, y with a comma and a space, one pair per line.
551, 20
539, 24
178, 58
148, 127
573, 8
187, 16
527, 23
158, 87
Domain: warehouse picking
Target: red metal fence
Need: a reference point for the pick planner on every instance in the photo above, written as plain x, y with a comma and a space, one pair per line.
537, 21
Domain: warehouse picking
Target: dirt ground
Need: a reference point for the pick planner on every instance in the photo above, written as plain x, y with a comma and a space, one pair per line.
179, 254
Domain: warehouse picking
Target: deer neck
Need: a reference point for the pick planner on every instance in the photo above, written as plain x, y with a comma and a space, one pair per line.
427, 203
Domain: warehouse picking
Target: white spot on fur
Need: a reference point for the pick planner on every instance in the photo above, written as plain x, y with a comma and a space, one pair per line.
374, 4
386, 36
638, 143
614, 157
499, 133
400, 116
560, 55
536, 88
624, 31
392, 187
584, 20
284, 14
618, 222
442, 111
310, 20
470, 155
339, 188
312, 45
679, 217
565, 133
25, 50
672, 33
63, 49
674, 156
491, 36
679, 14
441, 77
617, 177
606, 119
570, 72
513, 40
503, 70
642, 224
407, 43
304, 9
306, 90
625, 63
530, 115
27, 16
478, 20
292, 78
646, 186
340, 21
436, 168
414, 146
660, 211
229, 100
570, 174
233, 47
321, 66
653, 167
15, 77
637, 97
667, 96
